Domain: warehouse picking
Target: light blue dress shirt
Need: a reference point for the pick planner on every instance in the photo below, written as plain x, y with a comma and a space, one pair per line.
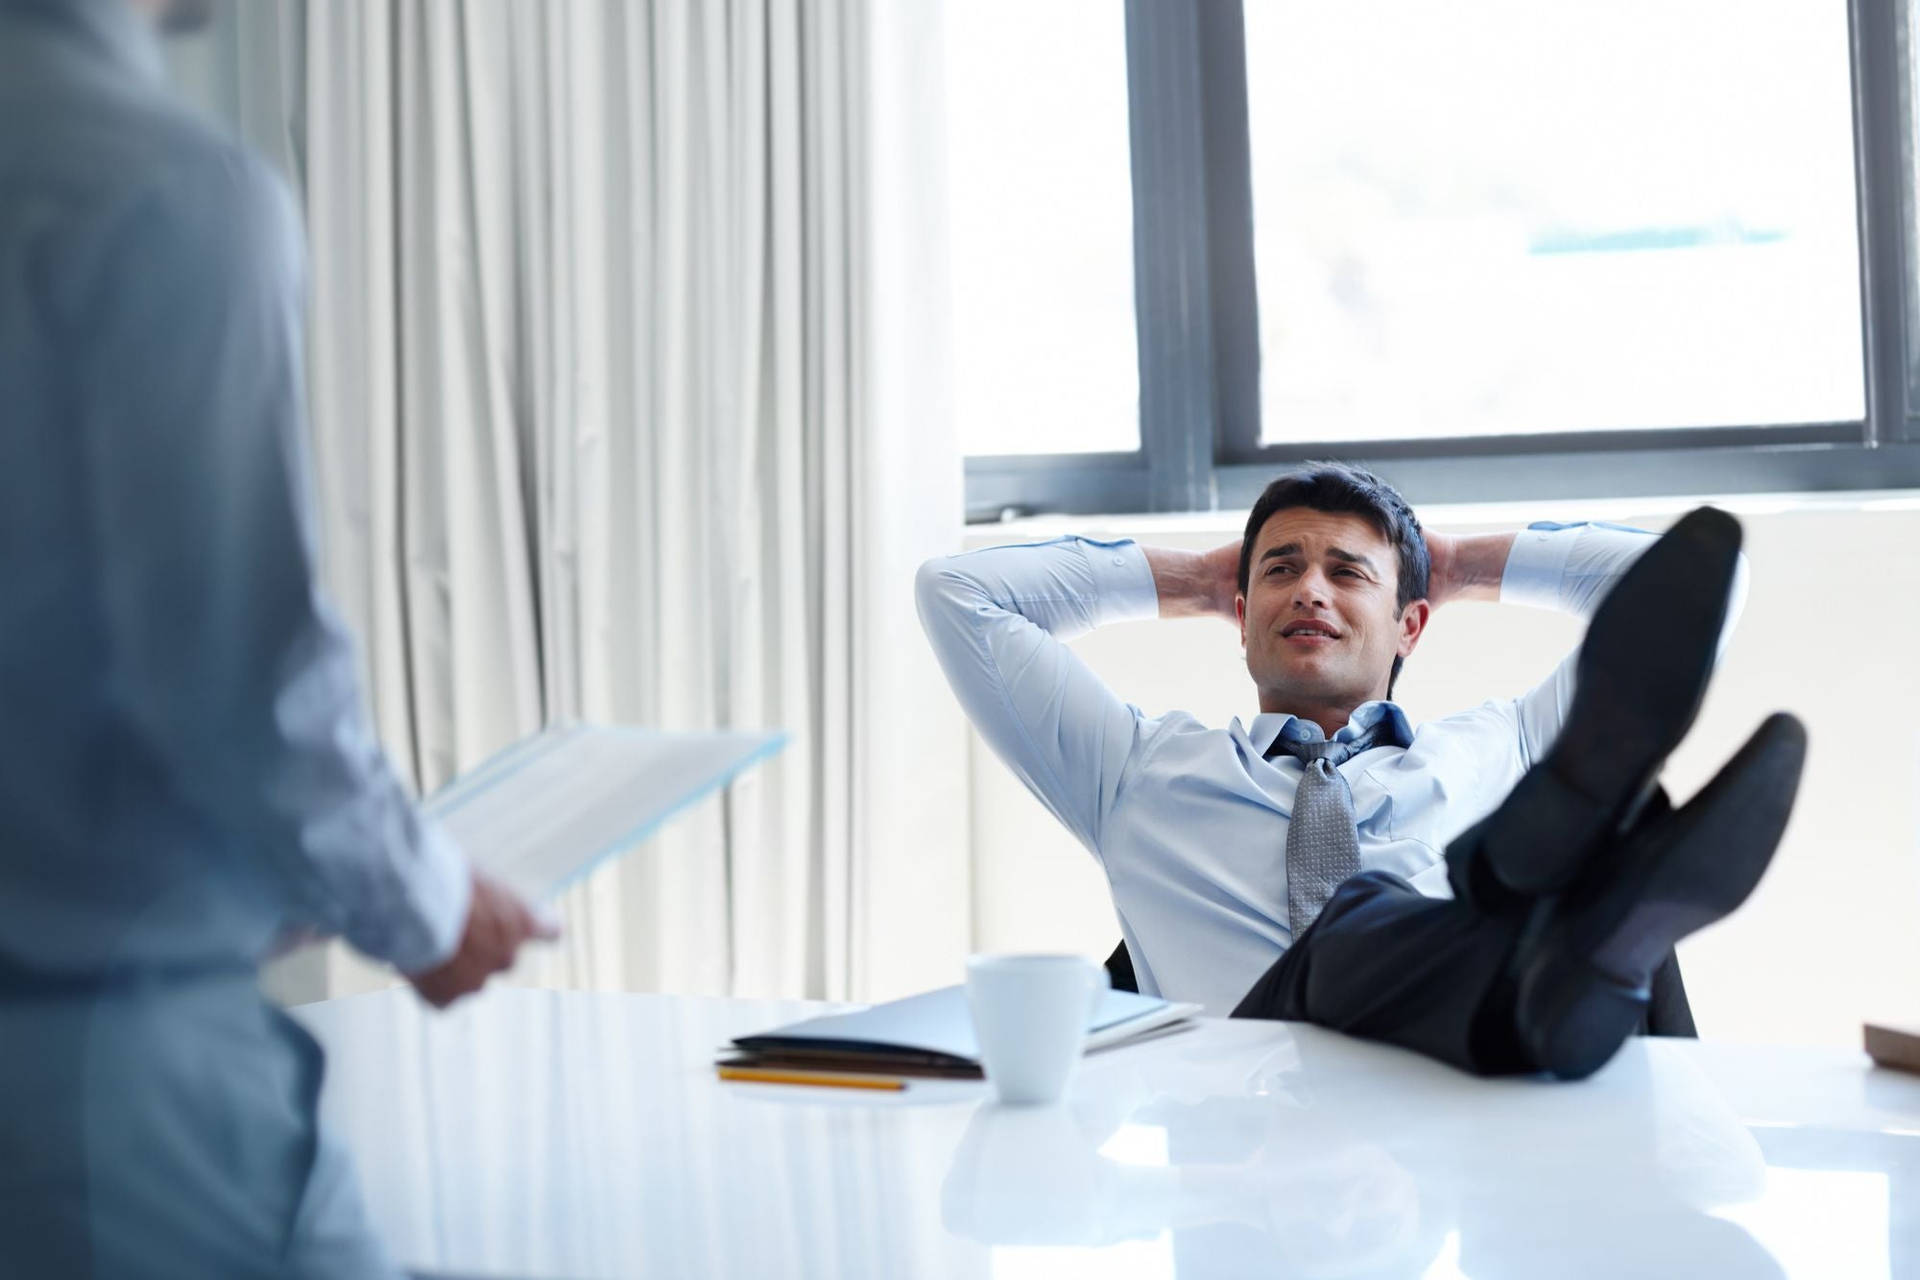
1190, 822
186, 767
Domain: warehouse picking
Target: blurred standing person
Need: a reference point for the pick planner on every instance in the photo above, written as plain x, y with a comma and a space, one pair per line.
187, 772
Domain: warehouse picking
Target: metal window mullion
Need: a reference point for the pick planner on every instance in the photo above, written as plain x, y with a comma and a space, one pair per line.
1883, 198
1645, 442
1231, 270
1906, 180
1172, 294
1548, 479
1071, 484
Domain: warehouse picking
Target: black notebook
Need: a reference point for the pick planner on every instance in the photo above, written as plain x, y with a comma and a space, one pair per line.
931, 1034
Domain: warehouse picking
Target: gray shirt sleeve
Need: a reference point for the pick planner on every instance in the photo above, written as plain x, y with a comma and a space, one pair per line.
225, 658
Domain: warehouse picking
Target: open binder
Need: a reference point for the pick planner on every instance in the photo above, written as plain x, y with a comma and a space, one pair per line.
548, 809
931, 1034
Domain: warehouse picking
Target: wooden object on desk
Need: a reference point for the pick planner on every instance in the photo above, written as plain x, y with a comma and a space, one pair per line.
1895, 1047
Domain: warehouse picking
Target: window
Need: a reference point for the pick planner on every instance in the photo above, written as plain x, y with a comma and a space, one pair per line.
1520, 217
1496, 249
1041, 227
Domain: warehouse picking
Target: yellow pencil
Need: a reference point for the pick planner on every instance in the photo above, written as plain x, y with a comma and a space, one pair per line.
829, 1079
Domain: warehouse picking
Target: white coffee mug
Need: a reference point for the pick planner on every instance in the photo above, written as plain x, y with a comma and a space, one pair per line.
1030, 1016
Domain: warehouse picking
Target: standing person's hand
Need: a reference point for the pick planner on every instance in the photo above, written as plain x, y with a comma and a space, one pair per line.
498, 922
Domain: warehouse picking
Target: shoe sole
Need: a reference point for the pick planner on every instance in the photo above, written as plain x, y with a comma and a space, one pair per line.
1643, 672
1580, 999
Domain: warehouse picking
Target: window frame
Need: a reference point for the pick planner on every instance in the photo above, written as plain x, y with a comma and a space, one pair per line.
1197, 322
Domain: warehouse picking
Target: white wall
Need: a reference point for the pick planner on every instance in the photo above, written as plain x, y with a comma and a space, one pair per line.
1828, 939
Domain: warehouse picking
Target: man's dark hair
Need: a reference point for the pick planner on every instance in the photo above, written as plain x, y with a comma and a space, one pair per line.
1339, 489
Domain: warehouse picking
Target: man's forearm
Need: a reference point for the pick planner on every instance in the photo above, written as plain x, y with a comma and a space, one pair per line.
1468, 566
1195, 584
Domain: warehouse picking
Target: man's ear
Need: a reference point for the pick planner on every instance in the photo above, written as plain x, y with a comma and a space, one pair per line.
1413, 625
1240, 616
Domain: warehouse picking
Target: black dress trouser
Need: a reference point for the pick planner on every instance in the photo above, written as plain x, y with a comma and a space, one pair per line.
1385, 962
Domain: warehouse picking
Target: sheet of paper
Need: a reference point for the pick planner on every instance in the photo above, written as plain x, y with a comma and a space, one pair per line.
550, 808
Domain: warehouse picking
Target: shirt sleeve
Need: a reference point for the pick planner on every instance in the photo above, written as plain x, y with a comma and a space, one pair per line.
1570, 568
227, 663
998, 619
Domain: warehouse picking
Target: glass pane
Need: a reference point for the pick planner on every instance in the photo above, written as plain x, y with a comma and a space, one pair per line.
1501, 216
1041, 220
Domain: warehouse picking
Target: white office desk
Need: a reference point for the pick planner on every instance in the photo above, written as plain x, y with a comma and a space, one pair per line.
548, 1134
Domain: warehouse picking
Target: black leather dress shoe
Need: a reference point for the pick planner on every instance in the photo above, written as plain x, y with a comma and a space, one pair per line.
1584, 961
1643, 671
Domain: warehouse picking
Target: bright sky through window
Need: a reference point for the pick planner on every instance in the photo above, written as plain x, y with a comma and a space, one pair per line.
1041, 220
1501, 216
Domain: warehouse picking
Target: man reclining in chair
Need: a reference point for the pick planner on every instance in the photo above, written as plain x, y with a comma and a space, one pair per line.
1496, 889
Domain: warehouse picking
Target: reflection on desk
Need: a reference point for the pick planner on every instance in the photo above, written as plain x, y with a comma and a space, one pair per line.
547, 1134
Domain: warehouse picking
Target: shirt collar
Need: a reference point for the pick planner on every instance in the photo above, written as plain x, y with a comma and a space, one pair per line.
1395, 729
129, 39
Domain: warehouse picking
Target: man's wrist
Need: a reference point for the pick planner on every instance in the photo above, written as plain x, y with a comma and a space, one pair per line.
1191, 584
1475, 566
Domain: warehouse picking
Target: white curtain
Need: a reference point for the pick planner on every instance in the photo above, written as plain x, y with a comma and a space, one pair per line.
629, 404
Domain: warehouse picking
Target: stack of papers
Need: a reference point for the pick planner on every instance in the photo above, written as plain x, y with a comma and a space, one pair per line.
932, 1035
550, 808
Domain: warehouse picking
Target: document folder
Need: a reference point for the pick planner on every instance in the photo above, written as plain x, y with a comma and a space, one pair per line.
550, 808
932, 1034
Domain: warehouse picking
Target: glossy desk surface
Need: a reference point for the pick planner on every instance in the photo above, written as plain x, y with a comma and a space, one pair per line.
549, 1134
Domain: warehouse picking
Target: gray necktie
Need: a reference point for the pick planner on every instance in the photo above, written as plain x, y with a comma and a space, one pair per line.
1323, 848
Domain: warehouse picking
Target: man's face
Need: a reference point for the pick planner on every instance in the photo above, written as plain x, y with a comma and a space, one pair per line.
1320, 619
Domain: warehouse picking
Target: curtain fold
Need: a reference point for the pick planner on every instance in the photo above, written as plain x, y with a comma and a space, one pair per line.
602, 432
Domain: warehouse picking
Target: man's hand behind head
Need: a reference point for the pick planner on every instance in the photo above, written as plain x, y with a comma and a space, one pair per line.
1195, 584
498, 922
1466, 566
